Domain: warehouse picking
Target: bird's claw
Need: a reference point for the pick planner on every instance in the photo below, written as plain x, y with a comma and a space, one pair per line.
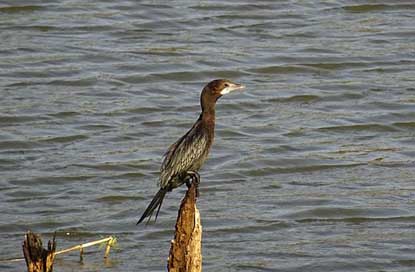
194, 178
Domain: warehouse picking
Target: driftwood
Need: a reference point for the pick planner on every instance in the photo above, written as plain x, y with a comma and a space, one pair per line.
37, 258
185, 251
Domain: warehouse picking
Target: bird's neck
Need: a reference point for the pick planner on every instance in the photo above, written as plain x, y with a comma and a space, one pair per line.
208, 116
208, 104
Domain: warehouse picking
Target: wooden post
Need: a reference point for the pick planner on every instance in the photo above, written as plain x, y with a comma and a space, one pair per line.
185, 251
37, 258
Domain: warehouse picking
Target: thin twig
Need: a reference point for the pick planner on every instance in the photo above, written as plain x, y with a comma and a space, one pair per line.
78, 247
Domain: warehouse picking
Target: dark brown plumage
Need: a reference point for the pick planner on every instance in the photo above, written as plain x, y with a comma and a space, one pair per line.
186, 156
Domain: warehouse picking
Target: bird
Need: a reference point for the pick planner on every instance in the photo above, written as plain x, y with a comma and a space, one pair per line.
186, 156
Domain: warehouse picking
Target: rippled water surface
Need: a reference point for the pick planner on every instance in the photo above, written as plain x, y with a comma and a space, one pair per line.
313, 164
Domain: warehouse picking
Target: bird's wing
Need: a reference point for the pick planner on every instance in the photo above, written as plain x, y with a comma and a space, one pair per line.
182, 154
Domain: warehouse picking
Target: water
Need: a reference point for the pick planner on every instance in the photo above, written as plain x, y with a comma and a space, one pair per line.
313, 164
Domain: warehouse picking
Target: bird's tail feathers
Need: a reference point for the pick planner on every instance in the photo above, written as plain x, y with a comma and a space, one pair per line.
155, 203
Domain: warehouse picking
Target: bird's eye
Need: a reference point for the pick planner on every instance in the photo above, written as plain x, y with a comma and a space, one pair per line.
226, 85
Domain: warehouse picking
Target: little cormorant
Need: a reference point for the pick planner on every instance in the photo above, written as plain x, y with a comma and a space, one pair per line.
186, 156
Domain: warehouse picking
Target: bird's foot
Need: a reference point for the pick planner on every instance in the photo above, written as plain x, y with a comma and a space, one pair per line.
194, 177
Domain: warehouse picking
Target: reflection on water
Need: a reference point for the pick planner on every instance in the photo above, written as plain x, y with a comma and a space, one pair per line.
312, 168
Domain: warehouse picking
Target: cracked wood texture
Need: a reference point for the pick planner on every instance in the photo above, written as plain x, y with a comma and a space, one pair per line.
185, 251
37, 258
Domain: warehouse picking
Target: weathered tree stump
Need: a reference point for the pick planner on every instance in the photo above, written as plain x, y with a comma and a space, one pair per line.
37, 258
185, 251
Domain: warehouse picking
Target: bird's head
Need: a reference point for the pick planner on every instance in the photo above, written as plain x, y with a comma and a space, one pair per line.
215, 89
219, 87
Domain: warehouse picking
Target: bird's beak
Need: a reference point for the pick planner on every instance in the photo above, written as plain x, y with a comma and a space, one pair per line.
232, 87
